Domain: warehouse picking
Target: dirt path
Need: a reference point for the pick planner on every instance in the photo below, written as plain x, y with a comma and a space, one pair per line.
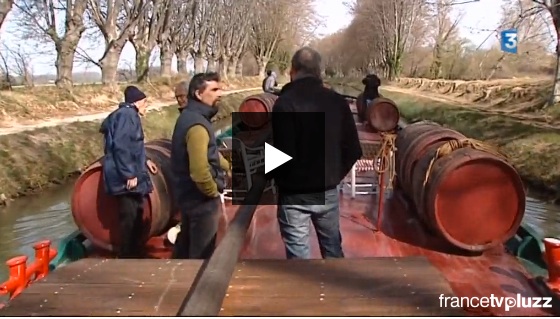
88, 118
534, 120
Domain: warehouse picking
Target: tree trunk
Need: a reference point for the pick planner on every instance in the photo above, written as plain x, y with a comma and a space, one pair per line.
223, 67
64, 64
239, 69
495, 67
555, 96
212, 65
109, 65
142, 63
166, 59
232, 67
198, 63
261, 64
182, 62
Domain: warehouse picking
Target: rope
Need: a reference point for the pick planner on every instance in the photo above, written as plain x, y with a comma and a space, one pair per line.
386, 156
454, 145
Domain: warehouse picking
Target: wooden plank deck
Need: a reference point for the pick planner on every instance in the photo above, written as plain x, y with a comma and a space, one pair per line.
341, 287
109, 287
406, 286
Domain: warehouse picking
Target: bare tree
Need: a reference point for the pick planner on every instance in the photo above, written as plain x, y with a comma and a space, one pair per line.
182, 33
553, 9
205, 13
270, 20
5, 8
533, 35
446, 29
6, 80
21, 65
60, 22
301, 27
144, 37
116, 20
164, 38
231, 34
394, 20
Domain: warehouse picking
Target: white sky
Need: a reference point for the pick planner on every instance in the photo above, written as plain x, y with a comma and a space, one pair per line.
478, 16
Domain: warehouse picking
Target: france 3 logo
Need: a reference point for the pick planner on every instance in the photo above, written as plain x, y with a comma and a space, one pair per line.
508, 41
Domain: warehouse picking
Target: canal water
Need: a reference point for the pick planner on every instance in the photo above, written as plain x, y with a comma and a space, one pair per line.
47, 216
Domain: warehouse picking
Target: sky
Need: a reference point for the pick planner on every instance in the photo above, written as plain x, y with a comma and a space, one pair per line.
479, 17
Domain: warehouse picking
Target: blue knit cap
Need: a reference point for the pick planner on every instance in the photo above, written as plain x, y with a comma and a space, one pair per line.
133, 94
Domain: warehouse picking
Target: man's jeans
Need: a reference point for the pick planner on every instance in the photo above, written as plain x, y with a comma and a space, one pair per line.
199, 228
295, 227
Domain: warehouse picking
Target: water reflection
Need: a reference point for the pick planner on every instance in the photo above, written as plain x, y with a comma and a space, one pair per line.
543, 217
34, 218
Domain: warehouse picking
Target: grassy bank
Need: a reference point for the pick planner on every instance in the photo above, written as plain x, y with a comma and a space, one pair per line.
24, 106
32, 160
532, 148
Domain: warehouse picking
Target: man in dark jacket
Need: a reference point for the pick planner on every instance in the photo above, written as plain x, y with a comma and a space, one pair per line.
125, 167
315, 172
199, 169
371, 91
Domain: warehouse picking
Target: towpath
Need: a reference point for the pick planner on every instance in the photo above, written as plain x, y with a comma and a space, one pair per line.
89, 117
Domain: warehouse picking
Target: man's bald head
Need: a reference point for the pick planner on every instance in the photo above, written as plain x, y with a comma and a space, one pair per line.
181, 92
306, 61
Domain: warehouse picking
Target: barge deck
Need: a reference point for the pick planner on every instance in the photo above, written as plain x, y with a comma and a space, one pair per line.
402, 286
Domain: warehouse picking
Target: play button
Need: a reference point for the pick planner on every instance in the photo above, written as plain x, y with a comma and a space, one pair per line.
273, 158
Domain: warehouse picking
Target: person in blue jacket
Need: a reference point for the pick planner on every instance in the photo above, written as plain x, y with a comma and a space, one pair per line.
125, 167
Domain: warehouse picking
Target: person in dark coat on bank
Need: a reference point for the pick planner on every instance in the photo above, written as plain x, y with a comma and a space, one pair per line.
269, 83
199, 170
125, 166
371, 91
315, 172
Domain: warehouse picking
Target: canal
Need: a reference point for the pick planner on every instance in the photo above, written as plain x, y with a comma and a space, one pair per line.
47, 216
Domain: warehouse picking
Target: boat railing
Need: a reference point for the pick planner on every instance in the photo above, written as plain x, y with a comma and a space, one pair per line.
21, 274
211, 284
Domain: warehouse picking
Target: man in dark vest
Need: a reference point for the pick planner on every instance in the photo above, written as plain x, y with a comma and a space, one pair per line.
199, 169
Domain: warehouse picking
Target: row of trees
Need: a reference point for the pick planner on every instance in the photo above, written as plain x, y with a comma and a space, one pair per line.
216, 34
421, 38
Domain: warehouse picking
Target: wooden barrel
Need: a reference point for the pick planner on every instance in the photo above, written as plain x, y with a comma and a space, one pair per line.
255, 110
415, 189
159, 151
403, 141
473, 199
162, 142
96, 213
413, 147
382, 115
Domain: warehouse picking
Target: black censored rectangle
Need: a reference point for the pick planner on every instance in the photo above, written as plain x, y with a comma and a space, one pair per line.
247, 157
297, 134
